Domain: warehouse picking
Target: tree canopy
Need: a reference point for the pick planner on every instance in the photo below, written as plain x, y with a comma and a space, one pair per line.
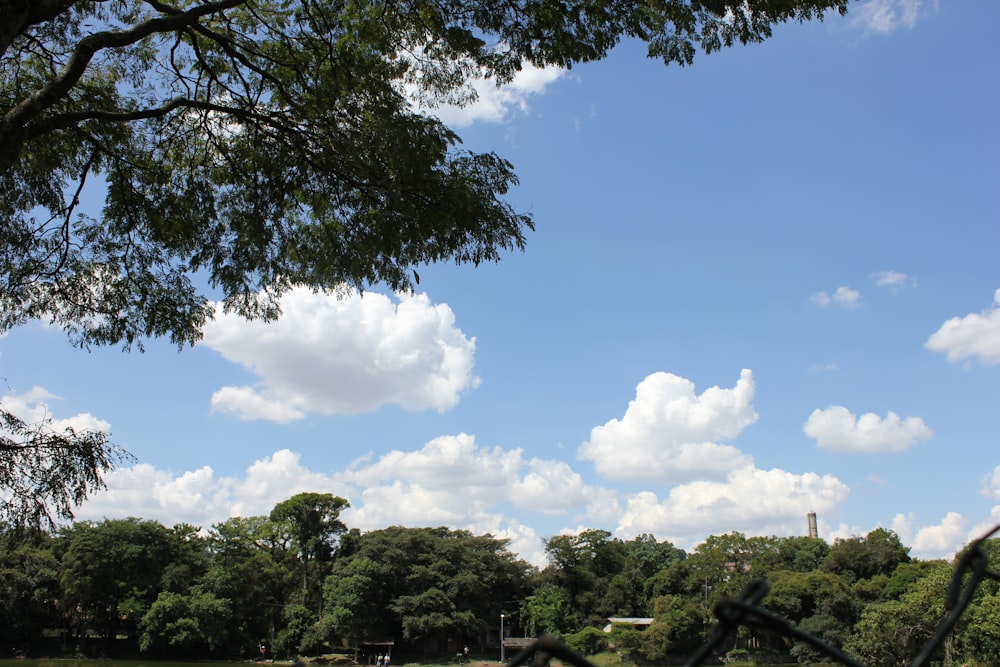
241, 147
122, 586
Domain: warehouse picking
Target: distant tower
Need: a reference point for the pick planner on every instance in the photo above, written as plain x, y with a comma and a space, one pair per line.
813, 531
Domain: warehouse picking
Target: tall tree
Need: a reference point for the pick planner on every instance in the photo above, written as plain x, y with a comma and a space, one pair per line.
423, 584
312, 523
587, 566
308, 526
112, 572
628, 593
245, 571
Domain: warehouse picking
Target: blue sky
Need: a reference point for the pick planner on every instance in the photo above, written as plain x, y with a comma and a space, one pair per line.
763, 285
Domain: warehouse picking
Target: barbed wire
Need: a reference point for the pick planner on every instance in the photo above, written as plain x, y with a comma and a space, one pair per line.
971, 569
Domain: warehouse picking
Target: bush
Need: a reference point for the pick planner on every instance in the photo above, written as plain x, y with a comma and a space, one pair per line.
589, 641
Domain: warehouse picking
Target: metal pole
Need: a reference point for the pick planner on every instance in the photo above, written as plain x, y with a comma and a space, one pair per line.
502, 657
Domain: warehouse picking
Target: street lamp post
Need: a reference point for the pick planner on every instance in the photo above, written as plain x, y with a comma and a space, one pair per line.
502, 657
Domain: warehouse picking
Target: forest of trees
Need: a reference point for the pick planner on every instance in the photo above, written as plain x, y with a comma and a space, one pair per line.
301, 582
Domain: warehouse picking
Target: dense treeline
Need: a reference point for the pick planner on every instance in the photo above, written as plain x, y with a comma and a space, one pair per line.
299, 582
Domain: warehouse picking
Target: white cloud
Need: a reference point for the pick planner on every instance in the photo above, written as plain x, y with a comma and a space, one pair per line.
761, 501
551, 487
495, 104
452, 481
886, 16
942, 540
987, 527
893, 280
976, 335
143, 491
344, 355
670, 433
248, 404
842, 296
889, 278
451, 461
32, 407
199, 497
837, 428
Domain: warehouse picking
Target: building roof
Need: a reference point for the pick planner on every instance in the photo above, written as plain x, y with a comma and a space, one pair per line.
638, 621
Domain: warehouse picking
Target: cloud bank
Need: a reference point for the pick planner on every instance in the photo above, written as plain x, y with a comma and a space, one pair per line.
694, 485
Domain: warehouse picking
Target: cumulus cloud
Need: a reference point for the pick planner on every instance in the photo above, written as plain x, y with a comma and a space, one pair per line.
454, 481
552, 487
450, 481
975, 336
942, 540
762, 501
886, 16
837, 428
194, 497
670, 433
201, 498
495, 104
33, 407
842, 296
344, 355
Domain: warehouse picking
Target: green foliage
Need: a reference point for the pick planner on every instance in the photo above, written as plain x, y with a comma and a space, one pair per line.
309, 525
314, 522
301, 634
890, 633
111, 573
979, 639
601, 576
879, 552
626, 638
547, 611
181, 593
589, 641
185, 625
245, 568
422, 582
677, 629
271, 143
29, 585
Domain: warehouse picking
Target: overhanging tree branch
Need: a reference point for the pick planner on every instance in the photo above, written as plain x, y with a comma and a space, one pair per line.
13, 126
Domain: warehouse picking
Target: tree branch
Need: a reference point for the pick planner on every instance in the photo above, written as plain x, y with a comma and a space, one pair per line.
12, 127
